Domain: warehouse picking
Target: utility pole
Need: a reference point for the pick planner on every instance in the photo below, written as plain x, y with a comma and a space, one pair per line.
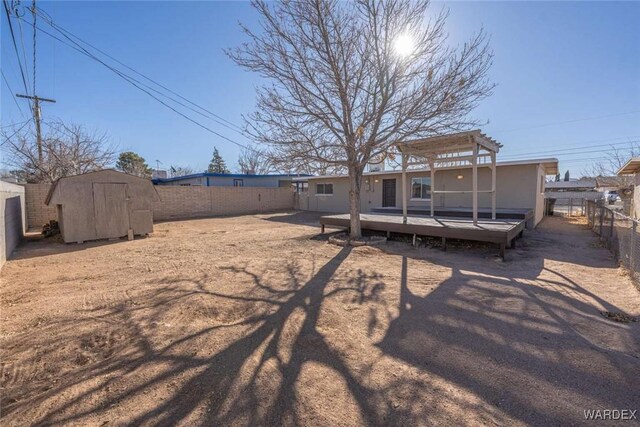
36, 116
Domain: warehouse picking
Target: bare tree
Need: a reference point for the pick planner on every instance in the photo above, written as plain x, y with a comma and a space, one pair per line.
348, 80
67, 149
181, 171
253, 161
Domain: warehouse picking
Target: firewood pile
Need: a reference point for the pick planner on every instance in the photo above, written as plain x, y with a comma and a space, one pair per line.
51, 228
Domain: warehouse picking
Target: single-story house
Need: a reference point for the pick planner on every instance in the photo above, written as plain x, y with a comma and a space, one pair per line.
206, 179
519, 185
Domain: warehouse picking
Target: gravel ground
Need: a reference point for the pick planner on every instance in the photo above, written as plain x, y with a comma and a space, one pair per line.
257, 320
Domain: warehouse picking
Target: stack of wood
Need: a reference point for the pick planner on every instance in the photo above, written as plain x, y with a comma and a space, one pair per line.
51, 228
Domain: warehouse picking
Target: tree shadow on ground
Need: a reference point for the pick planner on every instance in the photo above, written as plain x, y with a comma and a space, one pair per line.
281, 338
492, 340
535, 348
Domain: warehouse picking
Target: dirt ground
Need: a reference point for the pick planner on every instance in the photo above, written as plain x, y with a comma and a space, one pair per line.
257, 320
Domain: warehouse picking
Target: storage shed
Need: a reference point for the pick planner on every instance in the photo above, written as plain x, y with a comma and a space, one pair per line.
103, 205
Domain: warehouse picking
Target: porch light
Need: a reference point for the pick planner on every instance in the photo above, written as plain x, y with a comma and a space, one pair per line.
460, 176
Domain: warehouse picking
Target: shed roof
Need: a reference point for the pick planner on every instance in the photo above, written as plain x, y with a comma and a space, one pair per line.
93, 173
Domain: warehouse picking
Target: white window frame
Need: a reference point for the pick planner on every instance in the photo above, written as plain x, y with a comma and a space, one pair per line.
239, 181
324, 185
421, 178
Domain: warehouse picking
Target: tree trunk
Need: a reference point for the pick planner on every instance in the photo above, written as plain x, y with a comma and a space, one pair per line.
355, 179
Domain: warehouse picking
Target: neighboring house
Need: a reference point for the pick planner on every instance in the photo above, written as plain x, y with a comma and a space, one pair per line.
159, 174
519, 185
608, 183
206, 179
630, 172
564, 191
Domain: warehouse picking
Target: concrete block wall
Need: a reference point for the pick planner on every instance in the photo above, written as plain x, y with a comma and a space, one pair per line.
181, 202
38, 213
12, 218
194, 202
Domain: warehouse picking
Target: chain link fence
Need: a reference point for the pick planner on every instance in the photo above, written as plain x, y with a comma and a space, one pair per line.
618, 232
565, 206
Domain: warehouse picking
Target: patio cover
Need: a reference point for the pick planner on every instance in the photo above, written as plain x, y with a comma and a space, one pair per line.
471, 148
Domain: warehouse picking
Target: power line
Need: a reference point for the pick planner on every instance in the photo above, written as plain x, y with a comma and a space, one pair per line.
136, 83
8, 138
216, 118
24, 50
33, 11
571, 121
14, 124
15, 46
580, 144
570, 150
12, 93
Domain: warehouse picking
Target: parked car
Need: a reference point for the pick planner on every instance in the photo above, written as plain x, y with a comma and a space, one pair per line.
611, 197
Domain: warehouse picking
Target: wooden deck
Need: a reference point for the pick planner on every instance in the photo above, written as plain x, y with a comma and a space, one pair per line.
500, 231
501, 213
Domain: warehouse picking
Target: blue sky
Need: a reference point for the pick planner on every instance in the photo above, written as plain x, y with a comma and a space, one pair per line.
568, 75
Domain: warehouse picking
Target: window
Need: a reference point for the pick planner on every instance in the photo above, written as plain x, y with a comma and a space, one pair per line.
301, 187
238, 183
421, 188
324, 189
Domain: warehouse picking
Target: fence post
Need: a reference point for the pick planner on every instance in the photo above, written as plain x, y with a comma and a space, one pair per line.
632, 264
570, 206
601, 219
613, 218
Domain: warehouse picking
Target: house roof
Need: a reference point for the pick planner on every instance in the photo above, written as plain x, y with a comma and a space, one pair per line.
583, 183
226, 175
607, 181
631, 167
550, 165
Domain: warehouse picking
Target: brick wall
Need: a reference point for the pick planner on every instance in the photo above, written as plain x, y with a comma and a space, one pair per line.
194, 202
38, 213
181, 202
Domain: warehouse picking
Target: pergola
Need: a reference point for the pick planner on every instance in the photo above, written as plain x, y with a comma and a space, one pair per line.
464, 149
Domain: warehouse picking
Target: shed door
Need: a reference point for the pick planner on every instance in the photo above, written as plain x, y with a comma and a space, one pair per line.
388, 193
110, 207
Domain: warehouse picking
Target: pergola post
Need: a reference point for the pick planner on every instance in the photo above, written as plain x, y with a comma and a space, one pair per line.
474, 179
432, 168
493, 185
404, 188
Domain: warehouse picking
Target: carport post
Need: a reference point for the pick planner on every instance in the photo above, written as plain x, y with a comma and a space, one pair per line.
404, 188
